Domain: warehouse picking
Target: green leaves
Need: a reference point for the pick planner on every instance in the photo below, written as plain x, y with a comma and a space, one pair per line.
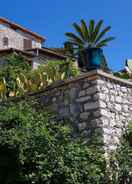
89, 35
44, 150
101, 34
75, 39
91, 26
18, 81
121, 161
85, 30
96, 30
104, 42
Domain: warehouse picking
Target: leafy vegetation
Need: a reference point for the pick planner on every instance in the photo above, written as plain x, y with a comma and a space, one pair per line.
121, 161
37, 149
15, 64
89, 36
122, 75
17, 78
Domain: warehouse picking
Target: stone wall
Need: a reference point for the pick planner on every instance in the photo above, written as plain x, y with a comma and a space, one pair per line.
115, 106
98, 104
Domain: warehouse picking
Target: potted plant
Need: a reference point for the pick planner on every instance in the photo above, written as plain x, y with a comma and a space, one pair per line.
88, 43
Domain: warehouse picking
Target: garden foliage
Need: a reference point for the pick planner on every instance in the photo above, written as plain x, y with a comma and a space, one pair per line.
37, 149
121, 161
17, 78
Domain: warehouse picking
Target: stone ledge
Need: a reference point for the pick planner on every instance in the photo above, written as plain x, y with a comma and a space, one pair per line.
91, 76
112, 77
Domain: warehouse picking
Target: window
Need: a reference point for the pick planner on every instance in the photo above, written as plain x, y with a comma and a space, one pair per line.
2, 27
5, 41
27, 44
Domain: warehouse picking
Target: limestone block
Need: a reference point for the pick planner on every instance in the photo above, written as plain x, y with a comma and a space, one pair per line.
102, 104
102, 96
105, 122
74, 109
73, 93
100, 82
118, 99
86, 85
83, 99
125, 108
91, 106
104, 112
124, 89
118, 107
96, 96
84, 115
105, 89
97, 113
112, 98
109, 85
91, 90
82, 93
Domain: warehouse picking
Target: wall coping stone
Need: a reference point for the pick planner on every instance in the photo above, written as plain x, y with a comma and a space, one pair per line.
114, 78
91, 75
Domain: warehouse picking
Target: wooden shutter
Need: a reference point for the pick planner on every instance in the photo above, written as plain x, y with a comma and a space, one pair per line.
27, 44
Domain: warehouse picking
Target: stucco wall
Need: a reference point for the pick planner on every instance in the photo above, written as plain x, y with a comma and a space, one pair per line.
42, 59
16, 38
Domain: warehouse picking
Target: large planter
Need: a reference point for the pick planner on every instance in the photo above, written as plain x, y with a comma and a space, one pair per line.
91, 58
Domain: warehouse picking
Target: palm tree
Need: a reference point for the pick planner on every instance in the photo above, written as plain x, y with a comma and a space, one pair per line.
89, 36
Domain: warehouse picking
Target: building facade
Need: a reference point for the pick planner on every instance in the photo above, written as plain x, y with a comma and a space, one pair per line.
15, 38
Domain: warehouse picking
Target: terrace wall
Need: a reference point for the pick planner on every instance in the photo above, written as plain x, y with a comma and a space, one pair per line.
98, 104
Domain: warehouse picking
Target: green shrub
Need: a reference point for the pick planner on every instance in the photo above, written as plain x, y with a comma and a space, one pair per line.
42, 151
121, 161
17, 78
15, 64
121, 75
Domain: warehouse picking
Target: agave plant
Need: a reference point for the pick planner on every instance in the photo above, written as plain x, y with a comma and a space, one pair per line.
3, 89
89, 36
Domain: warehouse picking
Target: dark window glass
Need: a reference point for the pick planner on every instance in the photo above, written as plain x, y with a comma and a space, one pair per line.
5, 41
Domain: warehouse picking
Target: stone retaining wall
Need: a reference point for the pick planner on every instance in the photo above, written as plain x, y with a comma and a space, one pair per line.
98, 104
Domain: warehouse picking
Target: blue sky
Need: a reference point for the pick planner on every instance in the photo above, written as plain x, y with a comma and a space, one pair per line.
52, 18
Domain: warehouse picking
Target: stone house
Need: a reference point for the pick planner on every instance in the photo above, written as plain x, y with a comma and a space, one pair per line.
16, 38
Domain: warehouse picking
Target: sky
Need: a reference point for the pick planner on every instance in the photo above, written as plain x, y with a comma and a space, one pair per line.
53, 18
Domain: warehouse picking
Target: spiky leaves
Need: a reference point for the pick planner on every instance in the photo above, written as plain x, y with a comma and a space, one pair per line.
89, 36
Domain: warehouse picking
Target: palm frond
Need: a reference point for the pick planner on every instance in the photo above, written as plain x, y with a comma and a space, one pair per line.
75, 38
85, 30
74, 43
79, 31
102, 33
89, 36
96, 30
91, 28
104, 42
